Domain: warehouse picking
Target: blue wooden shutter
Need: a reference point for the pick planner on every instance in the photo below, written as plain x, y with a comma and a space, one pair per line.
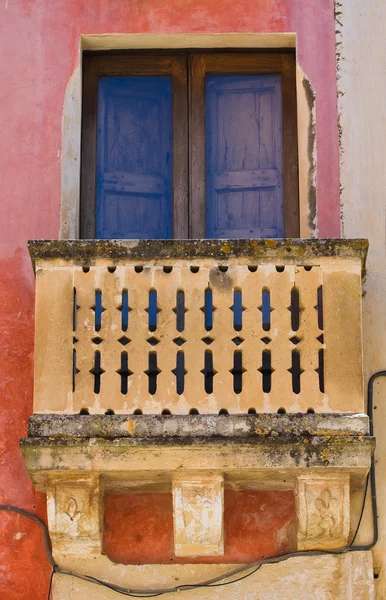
134, 162
244, 179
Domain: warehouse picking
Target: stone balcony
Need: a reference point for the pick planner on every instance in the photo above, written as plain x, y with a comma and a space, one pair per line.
170, 365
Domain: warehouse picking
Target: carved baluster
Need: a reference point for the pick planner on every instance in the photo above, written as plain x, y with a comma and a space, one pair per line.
195, 282
251, 283
111, 284
279, 285
223, 284
139, 280
85, 394
167, 282
305, 339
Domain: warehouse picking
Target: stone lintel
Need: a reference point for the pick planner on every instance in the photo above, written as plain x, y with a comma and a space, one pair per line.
198, 514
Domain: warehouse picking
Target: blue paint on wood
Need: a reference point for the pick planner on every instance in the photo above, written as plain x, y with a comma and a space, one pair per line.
134, 162
244, 175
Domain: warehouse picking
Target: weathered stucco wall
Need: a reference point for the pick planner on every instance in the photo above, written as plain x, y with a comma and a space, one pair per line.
40, 51
362, 87
347, 577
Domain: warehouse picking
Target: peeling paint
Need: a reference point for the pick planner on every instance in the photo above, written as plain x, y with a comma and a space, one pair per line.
311, 148
338, 15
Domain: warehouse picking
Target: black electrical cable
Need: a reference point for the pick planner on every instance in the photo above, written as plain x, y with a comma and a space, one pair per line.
234, 580
50, 586
219, 580
371, 475
362, 511
181, 588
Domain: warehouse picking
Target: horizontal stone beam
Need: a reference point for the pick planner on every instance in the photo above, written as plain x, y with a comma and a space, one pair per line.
86, 252
274, 461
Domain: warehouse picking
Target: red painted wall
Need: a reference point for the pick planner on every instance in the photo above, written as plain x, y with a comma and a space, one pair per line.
40, 45
138, 528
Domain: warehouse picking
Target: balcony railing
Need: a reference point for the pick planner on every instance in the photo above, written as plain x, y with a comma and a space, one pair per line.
207, 326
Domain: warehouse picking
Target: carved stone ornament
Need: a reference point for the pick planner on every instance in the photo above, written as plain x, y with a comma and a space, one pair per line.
323, 506
73, 515
198, 508
71, 518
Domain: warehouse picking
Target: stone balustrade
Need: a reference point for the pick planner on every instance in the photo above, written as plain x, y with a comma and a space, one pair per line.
198, 326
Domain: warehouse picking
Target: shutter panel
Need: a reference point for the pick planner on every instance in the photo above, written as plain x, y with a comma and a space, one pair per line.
134, 157
244, 175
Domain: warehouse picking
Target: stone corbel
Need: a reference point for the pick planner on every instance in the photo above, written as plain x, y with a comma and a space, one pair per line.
323, 511
74, 515
198, 510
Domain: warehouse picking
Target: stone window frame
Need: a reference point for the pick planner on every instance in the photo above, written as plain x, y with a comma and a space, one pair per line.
72, 114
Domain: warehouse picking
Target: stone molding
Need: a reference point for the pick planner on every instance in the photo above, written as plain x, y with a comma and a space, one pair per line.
262, 461
198, 514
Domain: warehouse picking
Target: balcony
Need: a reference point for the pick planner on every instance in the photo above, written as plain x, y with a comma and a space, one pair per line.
159, 365
198, 326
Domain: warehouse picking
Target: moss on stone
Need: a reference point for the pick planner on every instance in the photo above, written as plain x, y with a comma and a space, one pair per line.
87, 252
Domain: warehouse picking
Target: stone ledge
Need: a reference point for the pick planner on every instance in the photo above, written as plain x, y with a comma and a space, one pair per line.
195, 426
86, 252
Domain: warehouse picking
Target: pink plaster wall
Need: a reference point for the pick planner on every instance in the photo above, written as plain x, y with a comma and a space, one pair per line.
39, 51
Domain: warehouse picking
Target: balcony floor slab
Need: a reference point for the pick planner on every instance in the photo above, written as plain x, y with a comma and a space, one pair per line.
259, 451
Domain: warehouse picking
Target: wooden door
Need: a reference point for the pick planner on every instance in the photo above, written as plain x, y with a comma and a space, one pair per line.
244, 173
189, 145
